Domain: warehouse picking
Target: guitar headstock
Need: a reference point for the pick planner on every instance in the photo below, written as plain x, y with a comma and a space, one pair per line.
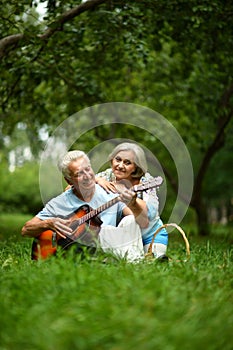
155, 182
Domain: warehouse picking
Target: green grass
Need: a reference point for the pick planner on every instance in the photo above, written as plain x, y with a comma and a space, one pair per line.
11, 224
73, 304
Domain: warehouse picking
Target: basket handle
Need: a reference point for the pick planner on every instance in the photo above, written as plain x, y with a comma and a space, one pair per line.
149, 253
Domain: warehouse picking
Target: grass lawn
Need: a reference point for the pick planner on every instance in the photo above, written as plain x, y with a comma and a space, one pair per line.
11, 224
73, 304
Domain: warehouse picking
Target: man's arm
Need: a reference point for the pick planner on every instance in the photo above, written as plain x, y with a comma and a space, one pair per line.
36, 226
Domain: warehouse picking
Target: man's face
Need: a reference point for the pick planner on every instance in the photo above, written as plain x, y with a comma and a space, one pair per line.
82, 176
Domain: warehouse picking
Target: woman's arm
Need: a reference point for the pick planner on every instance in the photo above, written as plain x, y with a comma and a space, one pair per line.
137, 207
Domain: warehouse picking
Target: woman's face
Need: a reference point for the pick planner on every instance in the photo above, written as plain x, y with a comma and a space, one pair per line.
123, 165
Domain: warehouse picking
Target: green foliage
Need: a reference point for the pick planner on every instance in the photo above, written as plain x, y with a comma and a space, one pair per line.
10, 226
19, 190
68, 304
175, 57
223, 182
104, 54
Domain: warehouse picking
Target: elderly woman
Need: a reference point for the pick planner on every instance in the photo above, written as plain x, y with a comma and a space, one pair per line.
129, 165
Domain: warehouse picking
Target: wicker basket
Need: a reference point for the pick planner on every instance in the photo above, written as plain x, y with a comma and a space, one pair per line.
150, 255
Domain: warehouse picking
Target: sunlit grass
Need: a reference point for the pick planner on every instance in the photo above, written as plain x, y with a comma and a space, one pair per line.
91, 304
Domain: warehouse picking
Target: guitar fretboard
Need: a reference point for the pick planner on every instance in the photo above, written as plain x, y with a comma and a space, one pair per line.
94, 212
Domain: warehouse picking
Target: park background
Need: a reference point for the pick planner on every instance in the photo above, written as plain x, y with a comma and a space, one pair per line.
174, 57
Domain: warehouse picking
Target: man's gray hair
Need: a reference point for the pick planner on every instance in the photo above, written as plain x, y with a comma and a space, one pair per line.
69, 157
140, 158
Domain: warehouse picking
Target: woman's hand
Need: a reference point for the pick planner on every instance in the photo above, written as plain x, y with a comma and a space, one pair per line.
128, 197
106, 185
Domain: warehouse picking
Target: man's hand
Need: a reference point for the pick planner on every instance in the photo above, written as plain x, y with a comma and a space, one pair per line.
61, 227
36, 226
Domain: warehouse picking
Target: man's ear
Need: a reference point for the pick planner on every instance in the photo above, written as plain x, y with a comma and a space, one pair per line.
68, 181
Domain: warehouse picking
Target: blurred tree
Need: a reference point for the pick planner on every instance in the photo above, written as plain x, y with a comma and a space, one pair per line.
175, 57
19, 190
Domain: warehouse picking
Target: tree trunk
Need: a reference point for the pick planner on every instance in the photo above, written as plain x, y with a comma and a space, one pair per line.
226, 113
202, 219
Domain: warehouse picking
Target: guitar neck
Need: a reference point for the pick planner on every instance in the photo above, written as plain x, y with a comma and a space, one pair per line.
95, 212
141, 187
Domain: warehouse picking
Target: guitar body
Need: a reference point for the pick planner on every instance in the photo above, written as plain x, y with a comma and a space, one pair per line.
42, 247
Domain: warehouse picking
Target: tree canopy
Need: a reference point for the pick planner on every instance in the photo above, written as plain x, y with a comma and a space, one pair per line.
174, 57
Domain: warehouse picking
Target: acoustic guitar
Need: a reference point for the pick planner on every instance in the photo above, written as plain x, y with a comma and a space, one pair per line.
85, 224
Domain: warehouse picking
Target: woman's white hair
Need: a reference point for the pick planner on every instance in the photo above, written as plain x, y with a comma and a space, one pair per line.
140, 158
69, 157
